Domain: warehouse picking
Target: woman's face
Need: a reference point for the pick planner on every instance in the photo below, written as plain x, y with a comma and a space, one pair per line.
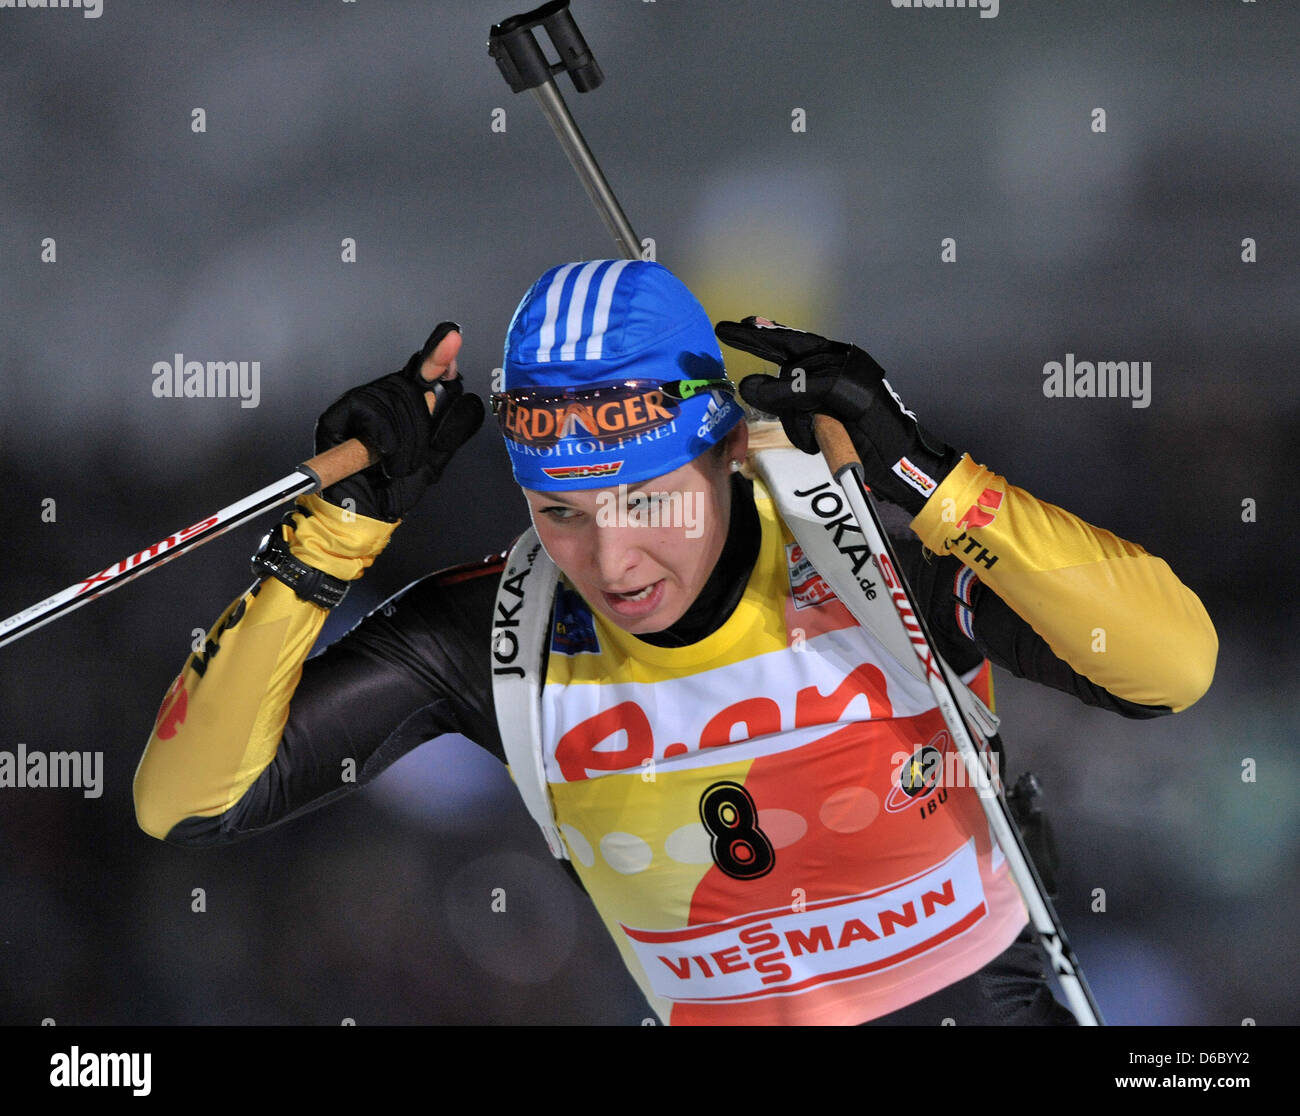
640, 554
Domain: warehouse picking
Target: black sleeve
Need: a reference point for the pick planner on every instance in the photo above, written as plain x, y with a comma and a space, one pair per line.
415, 668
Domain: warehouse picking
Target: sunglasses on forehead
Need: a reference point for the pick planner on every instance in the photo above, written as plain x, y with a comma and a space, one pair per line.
609, 413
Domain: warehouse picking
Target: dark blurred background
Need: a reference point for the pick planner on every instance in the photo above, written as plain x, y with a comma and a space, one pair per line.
374, 121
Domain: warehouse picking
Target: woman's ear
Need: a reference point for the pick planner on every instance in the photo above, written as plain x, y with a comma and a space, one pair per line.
737, 443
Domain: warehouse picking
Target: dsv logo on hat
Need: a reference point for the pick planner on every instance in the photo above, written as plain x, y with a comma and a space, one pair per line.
582, 472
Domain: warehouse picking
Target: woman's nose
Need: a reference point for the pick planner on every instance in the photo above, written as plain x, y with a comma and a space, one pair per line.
616, 553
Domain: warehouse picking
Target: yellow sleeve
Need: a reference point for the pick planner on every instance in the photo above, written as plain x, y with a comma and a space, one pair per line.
1114, 613
221, 721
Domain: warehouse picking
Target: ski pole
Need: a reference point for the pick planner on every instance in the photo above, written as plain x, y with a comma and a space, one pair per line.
525, 67
846, 468
311, 476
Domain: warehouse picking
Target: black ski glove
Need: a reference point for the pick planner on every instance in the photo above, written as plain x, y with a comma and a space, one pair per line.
391, 416
901, 460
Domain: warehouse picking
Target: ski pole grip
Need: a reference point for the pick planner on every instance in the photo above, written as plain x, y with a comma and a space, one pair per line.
340, 461
835, 444
349, 457
521, 60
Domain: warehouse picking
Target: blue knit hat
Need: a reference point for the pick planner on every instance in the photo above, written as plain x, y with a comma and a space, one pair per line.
602, 363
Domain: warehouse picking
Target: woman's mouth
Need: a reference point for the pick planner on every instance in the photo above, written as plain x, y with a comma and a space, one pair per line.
637, 603
635, 595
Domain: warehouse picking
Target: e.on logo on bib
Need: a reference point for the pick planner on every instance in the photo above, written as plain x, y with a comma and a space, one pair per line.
621, 736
